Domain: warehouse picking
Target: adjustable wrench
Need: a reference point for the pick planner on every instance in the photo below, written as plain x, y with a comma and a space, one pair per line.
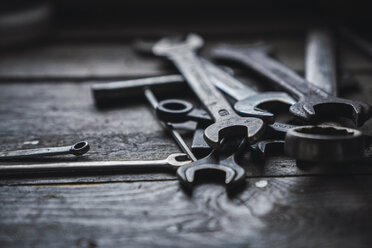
173, 161
227, 122
312, 101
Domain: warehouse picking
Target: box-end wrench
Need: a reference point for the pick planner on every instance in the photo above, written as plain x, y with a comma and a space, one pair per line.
330, 142
313, 103
227, 122
173, 161
76, 149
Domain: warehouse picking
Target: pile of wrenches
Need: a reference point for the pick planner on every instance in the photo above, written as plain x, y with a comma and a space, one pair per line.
224, 132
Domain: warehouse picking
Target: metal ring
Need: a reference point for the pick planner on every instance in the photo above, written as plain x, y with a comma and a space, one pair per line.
173, 110
80, 148
324, 143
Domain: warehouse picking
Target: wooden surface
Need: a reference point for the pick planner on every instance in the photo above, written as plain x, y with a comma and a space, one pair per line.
45, 100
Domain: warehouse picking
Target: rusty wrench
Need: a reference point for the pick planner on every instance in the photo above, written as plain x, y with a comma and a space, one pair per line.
312, 101
227, 122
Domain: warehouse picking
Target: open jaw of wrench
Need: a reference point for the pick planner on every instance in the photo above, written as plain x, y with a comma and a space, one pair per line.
76, 149
173, 161
227, 122
312, 103
234, 173
325, 143
248, 100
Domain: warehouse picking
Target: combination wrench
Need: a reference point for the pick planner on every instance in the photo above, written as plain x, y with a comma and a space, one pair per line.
312, 102
76, 149
227, 122
330, 142
173, 161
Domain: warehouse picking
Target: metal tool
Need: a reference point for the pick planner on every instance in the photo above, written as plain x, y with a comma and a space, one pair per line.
178, 111
177, 137
313, 103
227, 122
234, 173
248, 100
329, 142
77, 149
173, 161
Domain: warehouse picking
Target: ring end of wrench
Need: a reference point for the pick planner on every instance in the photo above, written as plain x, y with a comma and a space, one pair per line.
80, 148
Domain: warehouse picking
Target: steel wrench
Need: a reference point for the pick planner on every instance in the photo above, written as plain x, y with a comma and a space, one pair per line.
227, 122
323, 142
312, 101
173, 161
76, 149
234, 173
248, 100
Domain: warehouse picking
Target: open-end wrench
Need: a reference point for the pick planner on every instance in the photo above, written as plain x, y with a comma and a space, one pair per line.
234, 173
76, 149
329, 142
248, 100
313, 103
227, 122
173, 161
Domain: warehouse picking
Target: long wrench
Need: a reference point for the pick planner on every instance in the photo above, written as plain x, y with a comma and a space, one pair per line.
323, 142
173, 161
76, 149
227, 122
312, 103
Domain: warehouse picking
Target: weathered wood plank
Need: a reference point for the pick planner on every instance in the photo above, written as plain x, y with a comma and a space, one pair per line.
116, 59
268, 212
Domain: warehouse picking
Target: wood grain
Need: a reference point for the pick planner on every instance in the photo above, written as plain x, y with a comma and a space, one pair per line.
268, 212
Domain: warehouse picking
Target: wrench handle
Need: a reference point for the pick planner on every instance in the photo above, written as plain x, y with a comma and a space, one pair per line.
83, 166
276, 72
320, 60
198, 79
38, 152
227, 83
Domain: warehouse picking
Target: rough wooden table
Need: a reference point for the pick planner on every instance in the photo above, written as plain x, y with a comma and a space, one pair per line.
45, 100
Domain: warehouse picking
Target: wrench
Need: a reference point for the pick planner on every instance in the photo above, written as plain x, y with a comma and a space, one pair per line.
233, 172
323, 142
173, 161
77, 149
312, 101
227, 122
247, 99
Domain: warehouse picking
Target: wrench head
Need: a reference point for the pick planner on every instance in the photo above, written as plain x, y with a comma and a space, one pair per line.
331, 107
186, 174
249, 127
178, 159
250, 106
166, 46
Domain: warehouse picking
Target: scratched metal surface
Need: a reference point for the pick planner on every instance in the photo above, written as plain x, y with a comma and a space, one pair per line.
45, 100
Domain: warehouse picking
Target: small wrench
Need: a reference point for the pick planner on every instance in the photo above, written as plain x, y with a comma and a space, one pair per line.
227, 122
173, 161
77, 149
234, 173
312, 101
